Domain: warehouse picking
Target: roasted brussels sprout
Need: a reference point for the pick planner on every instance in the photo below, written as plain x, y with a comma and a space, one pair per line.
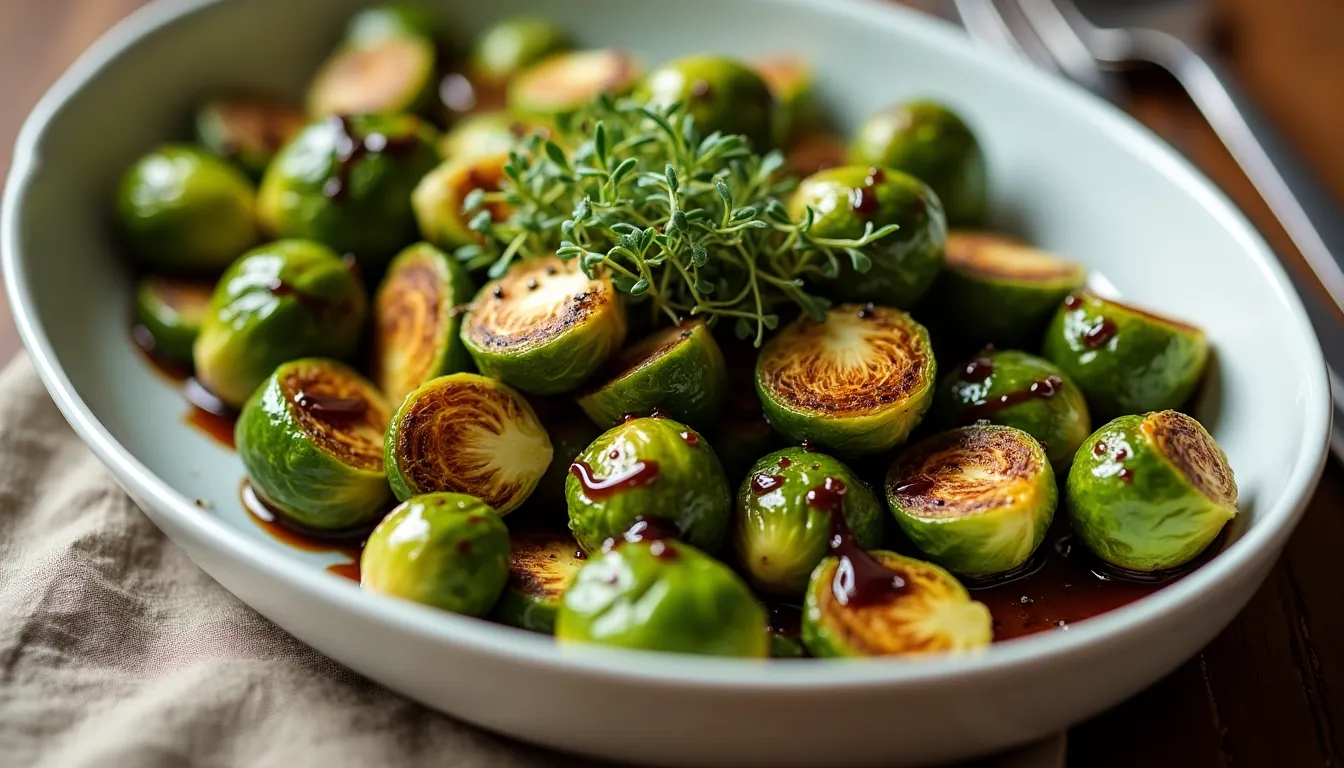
248, 130
792, 84
184, 211
387, 65
171, 312
648, 468
311, 439
542, 565
1017, 390
679, 370
1148, 493
438, 198
562, 83
544, 326
1125, 360
279, 302
930, 142
857, 383
723, 95
513, 44
976, 500
571, 432
998, 290
466, 433
346, 182
488, 134
929, 612
905, 263
447, 550
416, 320
778, 535
663, 595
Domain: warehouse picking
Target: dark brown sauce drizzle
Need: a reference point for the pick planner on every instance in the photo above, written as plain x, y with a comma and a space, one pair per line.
864, 199
701, 89
915, 486
1039, 390
978, 370
1097, 336
859, 579
640, 473
209, 414
144, 341
351, 149
763, 484
274, 522
658, 531
867, 311
784, 462
689, 437
348, 570
1072, 302
809, 446
330, 408
785, 619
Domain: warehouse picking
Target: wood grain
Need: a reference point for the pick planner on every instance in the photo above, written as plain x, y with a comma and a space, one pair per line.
1270, 689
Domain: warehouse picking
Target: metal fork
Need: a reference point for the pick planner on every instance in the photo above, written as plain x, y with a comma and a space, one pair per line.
1055, 35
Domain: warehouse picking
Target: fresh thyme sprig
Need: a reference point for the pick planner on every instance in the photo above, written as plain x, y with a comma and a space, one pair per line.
688, 225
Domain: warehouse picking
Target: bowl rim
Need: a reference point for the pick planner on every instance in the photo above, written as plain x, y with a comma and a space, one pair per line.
1259, 543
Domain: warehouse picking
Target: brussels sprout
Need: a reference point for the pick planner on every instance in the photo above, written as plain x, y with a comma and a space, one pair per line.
976, 500
544, 326
857, 383
1148, 493
931, 612
663, 595
311, 439
998, 290
248, 130
279, 302
542, 565
1017, 390
930, 142
487, 134
1124, 359
904, 263
466, 434
648, 468
171, 312
793, 85
740, 439
678, 370
183, 210
562, 83
513, 44
722, 94
438, 199
814, 152
447, 550
779, 537
390, 21
347, 182
416, 322
571, 432
387, 65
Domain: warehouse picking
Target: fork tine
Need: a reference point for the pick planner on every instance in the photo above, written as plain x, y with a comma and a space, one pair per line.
1072, 53
1007, 32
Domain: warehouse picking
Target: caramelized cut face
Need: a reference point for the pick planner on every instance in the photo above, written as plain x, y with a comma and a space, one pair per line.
1185, 443
965, 471
542, 564
993, 255
411, 311
535, 304
372, 79
338, 412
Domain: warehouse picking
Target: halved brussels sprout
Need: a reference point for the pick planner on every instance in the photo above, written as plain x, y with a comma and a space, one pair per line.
793, 85
171, 312
663, 595
976, 500
857, 383
998, 290
904, 263
387, 65
390, 21
279, 302
544, 326
930, 613
679, 370
648, 468
778, 535
930, 142
247, 129
564, 82
346, 182
542, 565
488, 134
1148, 493
722, 94
513, 44
1125, 360
416, 320
437, 199
1017, 390
814, 152
183, 210
311, 439
447, 550
466, 433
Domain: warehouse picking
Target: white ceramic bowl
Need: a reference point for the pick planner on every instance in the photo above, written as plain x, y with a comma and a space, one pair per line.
1068, 171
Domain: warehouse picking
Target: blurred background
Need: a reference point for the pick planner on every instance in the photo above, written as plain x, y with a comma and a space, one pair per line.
1270, 689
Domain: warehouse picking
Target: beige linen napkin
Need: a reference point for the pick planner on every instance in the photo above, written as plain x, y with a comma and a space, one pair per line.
115, 650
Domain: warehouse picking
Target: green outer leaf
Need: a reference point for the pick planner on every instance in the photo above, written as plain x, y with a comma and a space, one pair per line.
167, 310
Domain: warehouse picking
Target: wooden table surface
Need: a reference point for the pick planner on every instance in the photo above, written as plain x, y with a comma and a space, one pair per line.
1270, 689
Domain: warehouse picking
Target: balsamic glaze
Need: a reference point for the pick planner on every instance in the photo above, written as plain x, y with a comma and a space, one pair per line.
863, 201
784, 462
978, 370
349, 543
859, 579
332, 408
351, 149
1099, 334
209, 414
640, 473
689, 437
1072, 302
1039, 390
914, 486
763, 484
